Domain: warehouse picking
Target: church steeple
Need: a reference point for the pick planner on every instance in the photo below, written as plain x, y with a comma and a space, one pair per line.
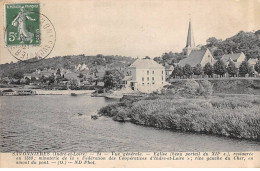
190, 44
190, 37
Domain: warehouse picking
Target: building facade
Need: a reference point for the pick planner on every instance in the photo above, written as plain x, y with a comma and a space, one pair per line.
145, 75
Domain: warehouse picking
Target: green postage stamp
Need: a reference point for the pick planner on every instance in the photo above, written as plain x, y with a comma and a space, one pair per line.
22, 24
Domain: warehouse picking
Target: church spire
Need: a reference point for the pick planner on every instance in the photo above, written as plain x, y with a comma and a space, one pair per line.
190, 38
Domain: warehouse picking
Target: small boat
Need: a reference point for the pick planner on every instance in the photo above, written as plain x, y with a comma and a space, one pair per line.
80, 114
94, 117
73, 94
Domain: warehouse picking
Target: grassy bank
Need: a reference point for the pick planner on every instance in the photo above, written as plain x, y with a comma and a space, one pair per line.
227, 116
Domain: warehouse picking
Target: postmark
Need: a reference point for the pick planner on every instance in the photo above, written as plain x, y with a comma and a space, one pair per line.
30, 36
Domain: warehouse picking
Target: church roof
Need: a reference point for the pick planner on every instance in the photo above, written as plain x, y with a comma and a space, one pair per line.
190, 38
194, 58
145, 64
233, 56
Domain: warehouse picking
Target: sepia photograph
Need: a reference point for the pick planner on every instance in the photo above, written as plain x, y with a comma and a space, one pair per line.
128, 81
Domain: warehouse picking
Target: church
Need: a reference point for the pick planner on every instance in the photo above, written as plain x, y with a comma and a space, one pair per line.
194, 54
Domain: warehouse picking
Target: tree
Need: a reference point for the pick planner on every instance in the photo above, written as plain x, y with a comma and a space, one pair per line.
147, 57
220, 68
244, 68
177, 72
208, 70
18, 75
58, 72
80, 75
212, 41
187, 70
257, 66
157, 59
112, 79
231, 69
251, 71
197, 70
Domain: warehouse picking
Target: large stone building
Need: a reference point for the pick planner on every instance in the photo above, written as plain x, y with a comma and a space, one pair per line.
145, 75
190, 44
198, 57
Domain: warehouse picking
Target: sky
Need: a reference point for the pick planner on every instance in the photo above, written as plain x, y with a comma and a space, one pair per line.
140, 28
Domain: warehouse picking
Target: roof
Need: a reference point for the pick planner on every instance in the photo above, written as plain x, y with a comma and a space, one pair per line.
169, 67
127, 78
233, 56
252, 61
146, 64
194, 58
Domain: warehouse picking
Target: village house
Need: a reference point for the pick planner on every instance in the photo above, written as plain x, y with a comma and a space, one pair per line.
168, 70
252, 62
145, 75
237, 58
196, 57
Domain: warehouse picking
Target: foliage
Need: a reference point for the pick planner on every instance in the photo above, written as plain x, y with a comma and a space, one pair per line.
66, 62
112, 79
231, 69
187, 70
177, 71
220, 68
208, 69
246, 42
257, 66
197, 70
244, 68
231, 117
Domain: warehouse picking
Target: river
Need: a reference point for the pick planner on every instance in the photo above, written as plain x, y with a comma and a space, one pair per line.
50, 123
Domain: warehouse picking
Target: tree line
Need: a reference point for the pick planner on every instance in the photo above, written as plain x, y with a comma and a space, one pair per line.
219, 68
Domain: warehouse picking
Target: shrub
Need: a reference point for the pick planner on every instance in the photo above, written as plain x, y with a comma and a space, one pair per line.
205, 88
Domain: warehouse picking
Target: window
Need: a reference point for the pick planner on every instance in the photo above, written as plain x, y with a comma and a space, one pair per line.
143, 84
148, 83
166, 73
153, 83
130, 73
152, 72
153, 78
162, 77
147, 72
142, 78
147, 78
162, 72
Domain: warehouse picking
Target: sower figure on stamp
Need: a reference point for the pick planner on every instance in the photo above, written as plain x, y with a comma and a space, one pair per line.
23, 33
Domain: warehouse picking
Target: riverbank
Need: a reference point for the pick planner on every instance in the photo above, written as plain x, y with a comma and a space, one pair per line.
52, 92
226, 116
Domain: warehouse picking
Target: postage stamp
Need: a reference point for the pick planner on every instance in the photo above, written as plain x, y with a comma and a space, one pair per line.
23, 24
29, 35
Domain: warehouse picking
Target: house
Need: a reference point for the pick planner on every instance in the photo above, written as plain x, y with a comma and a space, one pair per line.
145, 75
168, 70
252, 62
196, 57
237, 58
82, 67
190, 43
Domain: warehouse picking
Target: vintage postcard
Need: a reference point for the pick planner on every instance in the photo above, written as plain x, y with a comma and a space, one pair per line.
128, 84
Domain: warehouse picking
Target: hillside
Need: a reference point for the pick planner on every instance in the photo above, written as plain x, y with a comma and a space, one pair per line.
66, 62
246, 42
